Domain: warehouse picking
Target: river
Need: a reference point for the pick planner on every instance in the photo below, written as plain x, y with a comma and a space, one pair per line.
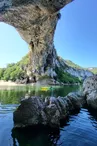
79, 129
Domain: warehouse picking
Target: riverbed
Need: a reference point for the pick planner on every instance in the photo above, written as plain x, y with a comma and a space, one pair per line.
79, 129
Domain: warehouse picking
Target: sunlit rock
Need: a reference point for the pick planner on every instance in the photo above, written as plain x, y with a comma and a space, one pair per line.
90, 91
36, 21
80, 73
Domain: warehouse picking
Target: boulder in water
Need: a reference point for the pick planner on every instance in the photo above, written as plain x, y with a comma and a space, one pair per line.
35, 111
90, 91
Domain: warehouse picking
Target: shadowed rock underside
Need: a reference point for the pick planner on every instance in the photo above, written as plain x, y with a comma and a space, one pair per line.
36, 21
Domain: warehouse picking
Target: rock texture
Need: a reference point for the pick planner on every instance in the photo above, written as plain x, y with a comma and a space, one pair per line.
90, 91
80, 73
35, 111
76, 72
36, 21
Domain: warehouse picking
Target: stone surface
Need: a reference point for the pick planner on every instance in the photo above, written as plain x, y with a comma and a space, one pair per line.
92, 99
80, 73
90, 91
30, 111
36, 21
35, 111
90, 84
77, 99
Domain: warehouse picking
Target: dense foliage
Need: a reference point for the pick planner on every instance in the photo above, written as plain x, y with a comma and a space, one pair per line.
66, 77
18, 71
14, 71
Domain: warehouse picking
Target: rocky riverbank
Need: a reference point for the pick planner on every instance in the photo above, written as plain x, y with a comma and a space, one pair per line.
90, 91
48, 111
7, 83
10, 83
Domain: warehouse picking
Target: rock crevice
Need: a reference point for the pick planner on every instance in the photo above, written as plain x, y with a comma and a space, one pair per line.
35, 111
36, 21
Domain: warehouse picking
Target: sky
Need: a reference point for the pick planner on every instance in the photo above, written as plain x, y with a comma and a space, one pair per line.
75, 36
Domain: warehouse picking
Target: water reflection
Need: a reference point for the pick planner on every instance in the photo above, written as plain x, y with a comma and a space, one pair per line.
13, 95
35, 136
42, 136
93, 117
78, 129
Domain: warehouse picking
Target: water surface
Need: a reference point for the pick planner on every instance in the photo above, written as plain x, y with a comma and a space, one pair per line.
80, 128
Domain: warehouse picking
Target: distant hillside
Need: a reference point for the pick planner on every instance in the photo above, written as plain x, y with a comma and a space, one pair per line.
17, 72
71, 64
93, 69
66, 72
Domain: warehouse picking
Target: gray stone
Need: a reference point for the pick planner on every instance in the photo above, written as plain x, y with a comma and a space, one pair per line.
90, 91
36, 21
92, 99
53, 115
35, 111
77, 99
90, 84
30, 112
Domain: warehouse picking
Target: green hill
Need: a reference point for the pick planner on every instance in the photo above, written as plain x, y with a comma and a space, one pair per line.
18, 71
14, 71
93, 69
71, 64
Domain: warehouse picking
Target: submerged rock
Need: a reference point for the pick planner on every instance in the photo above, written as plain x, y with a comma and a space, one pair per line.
90, 91
35, 111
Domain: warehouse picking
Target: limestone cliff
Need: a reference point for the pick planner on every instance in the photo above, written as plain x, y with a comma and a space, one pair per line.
36, 21
80, 73
63, 72
73, 69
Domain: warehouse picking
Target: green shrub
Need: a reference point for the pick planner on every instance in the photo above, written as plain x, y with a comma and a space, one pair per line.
14, 71
66, 77
1, 73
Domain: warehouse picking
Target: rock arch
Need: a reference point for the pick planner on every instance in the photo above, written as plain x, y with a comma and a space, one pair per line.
35, 20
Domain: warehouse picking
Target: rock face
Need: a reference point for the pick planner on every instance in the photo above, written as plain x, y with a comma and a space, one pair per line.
36, 21
90, 91
80, 73
35, 111
76, 72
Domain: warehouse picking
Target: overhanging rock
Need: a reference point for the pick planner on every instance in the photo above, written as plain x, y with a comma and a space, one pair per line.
35, 20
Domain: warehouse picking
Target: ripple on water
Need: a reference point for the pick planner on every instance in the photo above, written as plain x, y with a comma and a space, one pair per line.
80, 131
4, 109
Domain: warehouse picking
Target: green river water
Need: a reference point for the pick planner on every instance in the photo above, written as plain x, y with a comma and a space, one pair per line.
79, 129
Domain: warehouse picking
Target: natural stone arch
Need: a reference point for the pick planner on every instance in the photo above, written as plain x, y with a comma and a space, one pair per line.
36, 21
